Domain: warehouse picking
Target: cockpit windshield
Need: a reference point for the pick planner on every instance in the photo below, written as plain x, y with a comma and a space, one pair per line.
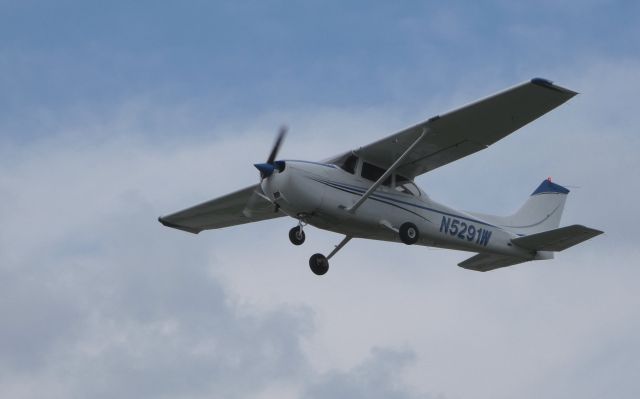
349, 164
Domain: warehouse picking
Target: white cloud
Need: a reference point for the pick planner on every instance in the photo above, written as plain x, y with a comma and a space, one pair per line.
101, 300
376, 377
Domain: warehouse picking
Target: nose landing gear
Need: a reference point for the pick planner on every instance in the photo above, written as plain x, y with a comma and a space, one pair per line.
296, 235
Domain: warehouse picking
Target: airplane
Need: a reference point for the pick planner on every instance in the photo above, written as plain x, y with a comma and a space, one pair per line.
370, 192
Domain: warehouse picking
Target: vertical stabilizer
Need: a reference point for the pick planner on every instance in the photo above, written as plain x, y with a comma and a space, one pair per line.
541, 211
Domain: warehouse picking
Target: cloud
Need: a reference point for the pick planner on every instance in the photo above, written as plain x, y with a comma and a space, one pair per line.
376, 377
111, 308
100, 300
97, 299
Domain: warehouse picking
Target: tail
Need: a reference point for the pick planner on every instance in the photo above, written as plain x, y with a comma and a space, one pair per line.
541, 211
536, 222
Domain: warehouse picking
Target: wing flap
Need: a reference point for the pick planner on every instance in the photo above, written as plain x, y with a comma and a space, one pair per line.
221, 212
487, 262
466, 130
557, 239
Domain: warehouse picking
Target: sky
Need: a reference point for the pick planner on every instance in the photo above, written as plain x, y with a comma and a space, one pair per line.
113, 113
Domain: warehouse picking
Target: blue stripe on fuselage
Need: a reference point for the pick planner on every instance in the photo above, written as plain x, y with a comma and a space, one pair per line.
327, 165
351, 191
362, 191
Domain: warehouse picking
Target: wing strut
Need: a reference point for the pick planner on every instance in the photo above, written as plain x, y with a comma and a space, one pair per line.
386, 174
338, 247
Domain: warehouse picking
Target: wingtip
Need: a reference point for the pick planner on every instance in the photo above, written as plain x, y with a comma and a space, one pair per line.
177, 226
548, 84
596, 232
542, 82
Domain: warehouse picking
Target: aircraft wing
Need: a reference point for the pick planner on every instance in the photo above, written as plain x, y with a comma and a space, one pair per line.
466, 130
222, 212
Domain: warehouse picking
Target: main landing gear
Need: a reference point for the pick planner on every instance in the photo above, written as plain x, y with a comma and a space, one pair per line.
409, 233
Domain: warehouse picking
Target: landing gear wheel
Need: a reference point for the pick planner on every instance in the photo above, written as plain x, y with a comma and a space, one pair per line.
409, 233
296, 235
319, 264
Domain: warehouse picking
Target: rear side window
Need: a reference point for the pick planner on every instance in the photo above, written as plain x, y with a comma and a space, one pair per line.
373, 173
408, 188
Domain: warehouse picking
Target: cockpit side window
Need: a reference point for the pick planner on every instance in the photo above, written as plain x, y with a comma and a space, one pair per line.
373, 173
349, 164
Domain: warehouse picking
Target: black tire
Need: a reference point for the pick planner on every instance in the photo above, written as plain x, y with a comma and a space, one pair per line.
296, 235
319, 264
409, 233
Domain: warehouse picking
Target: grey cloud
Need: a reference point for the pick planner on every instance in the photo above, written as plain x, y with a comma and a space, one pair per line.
133, 317
377, 377
100, 300
136, 318
36, 317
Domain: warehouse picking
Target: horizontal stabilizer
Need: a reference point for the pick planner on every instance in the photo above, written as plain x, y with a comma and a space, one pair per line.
486, 262
557, 239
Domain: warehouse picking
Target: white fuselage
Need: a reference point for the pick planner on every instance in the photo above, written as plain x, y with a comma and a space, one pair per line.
321, 194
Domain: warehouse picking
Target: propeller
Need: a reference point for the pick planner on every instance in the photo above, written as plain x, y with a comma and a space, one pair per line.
266, 169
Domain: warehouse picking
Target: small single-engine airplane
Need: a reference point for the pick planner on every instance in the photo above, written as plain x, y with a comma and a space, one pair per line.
370, 193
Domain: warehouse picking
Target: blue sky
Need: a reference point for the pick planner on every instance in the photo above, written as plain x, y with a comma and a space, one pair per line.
238, 58
113, 113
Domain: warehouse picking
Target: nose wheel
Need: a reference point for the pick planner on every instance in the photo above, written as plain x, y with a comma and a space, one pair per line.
296, 235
